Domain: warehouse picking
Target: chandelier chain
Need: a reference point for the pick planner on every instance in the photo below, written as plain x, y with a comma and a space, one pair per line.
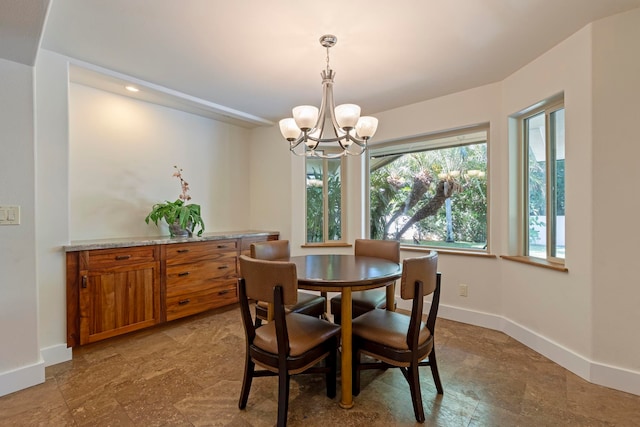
328, 67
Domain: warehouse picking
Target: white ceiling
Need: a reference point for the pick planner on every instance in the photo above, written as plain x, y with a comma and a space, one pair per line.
256, 59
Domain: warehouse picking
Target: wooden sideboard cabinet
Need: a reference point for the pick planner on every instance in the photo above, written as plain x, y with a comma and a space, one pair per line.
118, 291
132, 285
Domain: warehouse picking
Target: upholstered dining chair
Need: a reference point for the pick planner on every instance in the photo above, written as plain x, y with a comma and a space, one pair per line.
401, 341
279, 250
293, 343
364, 301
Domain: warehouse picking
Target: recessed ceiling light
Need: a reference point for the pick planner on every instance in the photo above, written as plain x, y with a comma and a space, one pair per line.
132, 88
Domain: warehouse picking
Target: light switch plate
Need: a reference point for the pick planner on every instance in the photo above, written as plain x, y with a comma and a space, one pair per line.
9, 215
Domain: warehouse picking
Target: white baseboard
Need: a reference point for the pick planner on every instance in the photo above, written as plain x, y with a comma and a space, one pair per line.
598, 373
21, 378
28, 376
56, 354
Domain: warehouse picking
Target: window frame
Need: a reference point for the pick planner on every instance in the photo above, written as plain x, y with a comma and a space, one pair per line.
325, 204
427, 142
547, 107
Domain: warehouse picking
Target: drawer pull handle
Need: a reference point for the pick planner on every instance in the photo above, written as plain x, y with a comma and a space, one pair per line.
183, 251
223, 267
184, 301
84, 282
122, 257
185, 273
222, 246
226, 291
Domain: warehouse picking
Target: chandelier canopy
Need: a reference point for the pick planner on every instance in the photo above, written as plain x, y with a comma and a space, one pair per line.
347, 132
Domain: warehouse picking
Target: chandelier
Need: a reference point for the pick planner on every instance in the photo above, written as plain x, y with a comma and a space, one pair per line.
346, 132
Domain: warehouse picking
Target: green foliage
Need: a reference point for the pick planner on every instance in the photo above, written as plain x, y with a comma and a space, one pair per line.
188, 216
314, 214
404, 185
316, 197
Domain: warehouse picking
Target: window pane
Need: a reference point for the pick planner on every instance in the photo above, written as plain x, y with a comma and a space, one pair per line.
557, 142
324, 199
536, 185
315, 200
334, 193
431, 196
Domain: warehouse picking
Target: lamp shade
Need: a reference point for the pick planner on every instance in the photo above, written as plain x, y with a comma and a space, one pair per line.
366, 126
306, 116
347, 115
289, 129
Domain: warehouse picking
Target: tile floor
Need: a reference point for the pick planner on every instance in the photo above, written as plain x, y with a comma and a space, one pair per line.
188, 373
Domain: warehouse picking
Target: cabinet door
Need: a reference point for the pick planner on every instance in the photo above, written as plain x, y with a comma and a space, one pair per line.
118, 299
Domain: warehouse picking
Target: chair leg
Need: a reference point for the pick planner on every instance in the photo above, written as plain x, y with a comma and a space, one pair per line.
337, 318
416, 396
332, 363
283, 397
249, 368
433, 364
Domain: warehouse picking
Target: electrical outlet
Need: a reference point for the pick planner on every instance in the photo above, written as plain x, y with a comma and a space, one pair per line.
463, 290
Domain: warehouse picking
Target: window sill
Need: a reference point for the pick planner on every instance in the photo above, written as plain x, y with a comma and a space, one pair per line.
536, 262
447, 251
327, 245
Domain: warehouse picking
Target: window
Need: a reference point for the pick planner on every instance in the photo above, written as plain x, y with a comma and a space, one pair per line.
543, 173
324, 199
431, 191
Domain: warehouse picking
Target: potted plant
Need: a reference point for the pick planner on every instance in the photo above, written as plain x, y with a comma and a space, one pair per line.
182, 218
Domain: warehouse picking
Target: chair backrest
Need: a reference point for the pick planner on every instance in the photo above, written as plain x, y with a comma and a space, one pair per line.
424, 269
261, 276
387, 249
274, 250
420, 275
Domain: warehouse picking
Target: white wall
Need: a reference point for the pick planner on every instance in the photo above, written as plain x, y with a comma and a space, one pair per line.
553, 304
122, 153
269, 170
52, 202
616, 154
20, 362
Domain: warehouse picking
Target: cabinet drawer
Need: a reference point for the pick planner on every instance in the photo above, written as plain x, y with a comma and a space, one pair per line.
193, 277
180, 253
108, 258
186, 304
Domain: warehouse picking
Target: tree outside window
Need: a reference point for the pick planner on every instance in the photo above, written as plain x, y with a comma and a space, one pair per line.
431, 192
324, 200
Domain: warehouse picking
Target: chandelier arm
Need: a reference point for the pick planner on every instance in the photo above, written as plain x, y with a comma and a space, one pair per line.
338, 139
314, 153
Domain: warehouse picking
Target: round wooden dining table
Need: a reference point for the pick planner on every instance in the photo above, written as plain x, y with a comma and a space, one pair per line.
345, 274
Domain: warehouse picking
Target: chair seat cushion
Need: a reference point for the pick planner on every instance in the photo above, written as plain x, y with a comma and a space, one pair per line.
309, 304
368, 300
388, 328
305, 333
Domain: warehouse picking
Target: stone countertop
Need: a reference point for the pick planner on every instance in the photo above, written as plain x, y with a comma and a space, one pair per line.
121, 242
